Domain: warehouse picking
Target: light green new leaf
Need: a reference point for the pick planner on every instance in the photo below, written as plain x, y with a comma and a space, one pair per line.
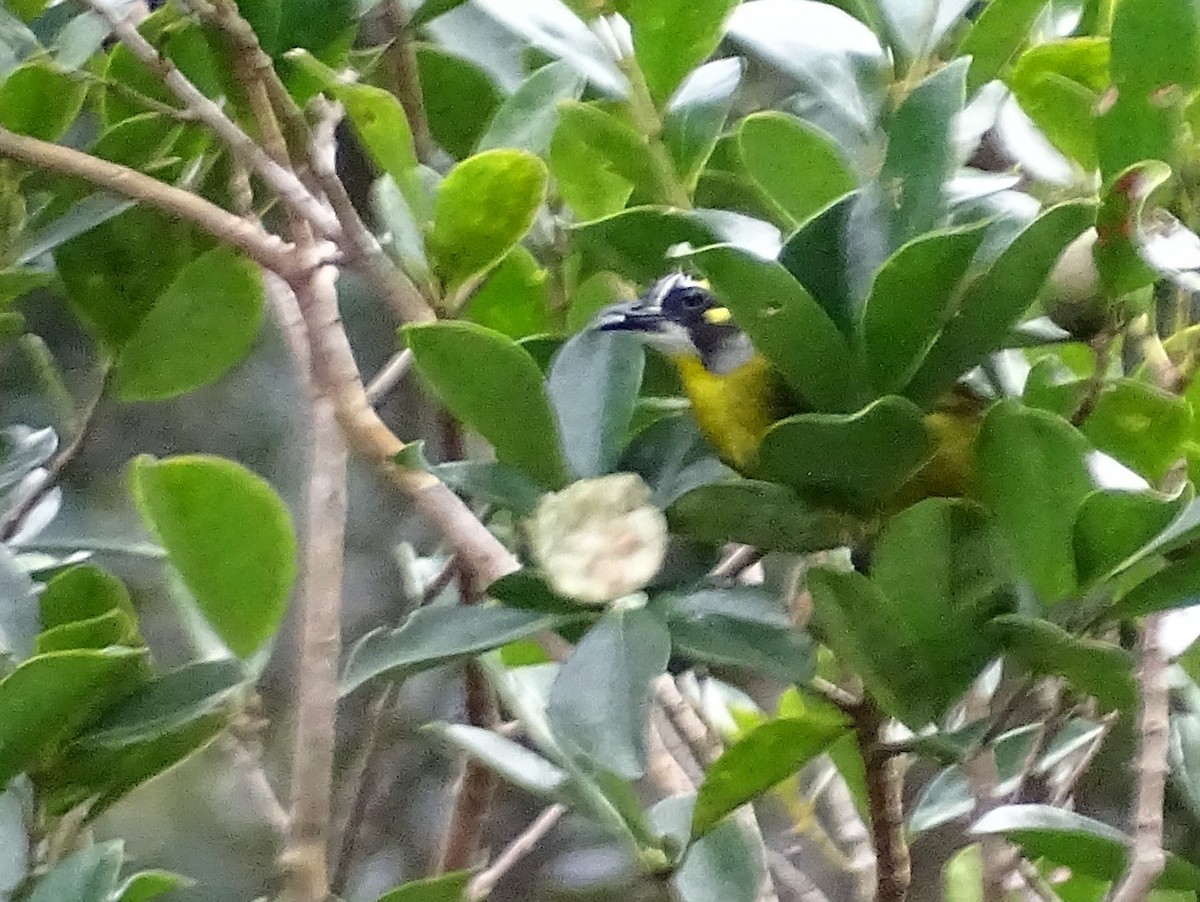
485, 206
597, 160
204, 323
515, 299
229, 535
504, 400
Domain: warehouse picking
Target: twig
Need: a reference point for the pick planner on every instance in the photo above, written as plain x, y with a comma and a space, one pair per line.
1037, 884
405, 80
440, 581
849, 829
885, 789
844, 701
265, 249
1102, 346
283, 181
703, 742
1062, 792
737, 562
12, 522
389, 377
1146, 855
795, 880
485, 881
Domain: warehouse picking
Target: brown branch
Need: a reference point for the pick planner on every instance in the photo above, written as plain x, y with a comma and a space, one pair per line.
265, 249
12, 523
405, 80
485, 881
280, 179
885, 790
1146, 855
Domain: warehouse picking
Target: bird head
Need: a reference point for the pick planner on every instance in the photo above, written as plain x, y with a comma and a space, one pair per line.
681, 317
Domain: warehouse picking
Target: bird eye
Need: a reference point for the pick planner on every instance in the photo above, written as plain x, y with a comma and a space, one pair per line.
693, 300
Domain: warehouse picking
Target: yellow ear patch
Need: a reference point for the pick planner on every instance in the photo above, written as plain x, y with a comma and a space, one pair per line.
716, 316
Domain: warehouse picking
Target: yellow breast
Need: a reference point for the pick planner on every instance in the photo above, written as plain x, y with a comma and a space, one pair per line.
735, 409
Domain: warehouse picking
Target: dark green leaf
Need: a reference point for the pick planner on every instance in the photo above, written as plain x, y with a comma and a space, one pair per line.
40, 100
634, 242
994, 302
1175, 586
760, 759
459, 98
1113, 527
451, 887
230, 537
817, 255
485, 206
996, 36
526, 120
504, 401
796, 164
593, 385
1116, 251
601, 696
697, 115
203, 323
86, 876
1097, 668
787, 326
490, 482
863, 457
672, 37
911, 299
437, 635
526, 590
1031, 471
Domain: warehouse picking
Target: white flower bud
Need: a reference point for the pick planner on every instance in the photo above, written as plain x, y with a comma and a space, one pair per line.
598, 539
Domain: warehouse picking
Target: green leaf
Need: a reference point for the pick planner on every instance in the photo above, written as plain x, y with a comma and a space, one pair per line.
427, 12
697, 114
1113, 527
994, 302
765, 515
165, 704
1122, 203
27, 10
916, 27
110, 629
512, 761
451, 887
485, 206
723, 866
40, 100
459, 99
491, 483
1100, 669
600, 699
17, 282
911, 299
527, 119
862, 457
515, 299
799, 167
763, 757
1140, 425
80, 593
1175, 586
1084, 845
672, 37
504, 401
203, 324
49, 698
593, 385
1001, 30
86, 876
401, 234
146, 885
962, 875
1031, 471
818, 257
787, 326
437, 635
597, 160
230, 537
634, 242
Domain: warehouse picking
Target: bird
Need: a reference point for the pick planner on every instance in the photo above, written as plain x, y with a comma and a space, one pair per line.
736, 394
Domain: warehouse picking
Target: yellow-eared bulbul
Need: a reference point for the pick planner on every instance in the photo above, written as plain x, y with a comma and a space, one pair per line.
736, 395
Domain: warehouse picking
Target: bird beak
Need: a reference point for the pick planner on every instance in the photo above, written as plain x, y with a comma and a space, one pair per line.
629, 316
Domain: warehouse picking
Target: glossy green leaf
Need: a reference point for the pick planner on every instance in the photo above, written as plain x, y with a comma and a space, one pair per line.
697, 114
40, 100
634, 243
114, 628
994, 302
1175, 586
459, 99
597, 160
430, 10
601, 697
202, 325
1113, 526
915, 27
787, 326
402, 236
82, 592
146, 885
1098, 668
864, 456
229, 536
515, 298
1084, 845
485, 206
764, 515
89, 875
912, 297
725, 865
1058, 85
593, 386
451, 887
799, 167
1031, 472
818, 257
504, 401
511, 760
527, 119
1116, 253
996, 36
437, 635
672, 37
760, 759
49, 698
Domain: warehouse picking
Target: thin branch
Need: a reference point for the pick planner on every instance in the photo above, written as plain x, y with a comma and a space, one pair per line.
283, 181
788, 876
1102, 346
1062, 792
1038, 885
405, 80
485, 881
389, 377
885, 791
1146, 855
265, 249
737, 562
12, 523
